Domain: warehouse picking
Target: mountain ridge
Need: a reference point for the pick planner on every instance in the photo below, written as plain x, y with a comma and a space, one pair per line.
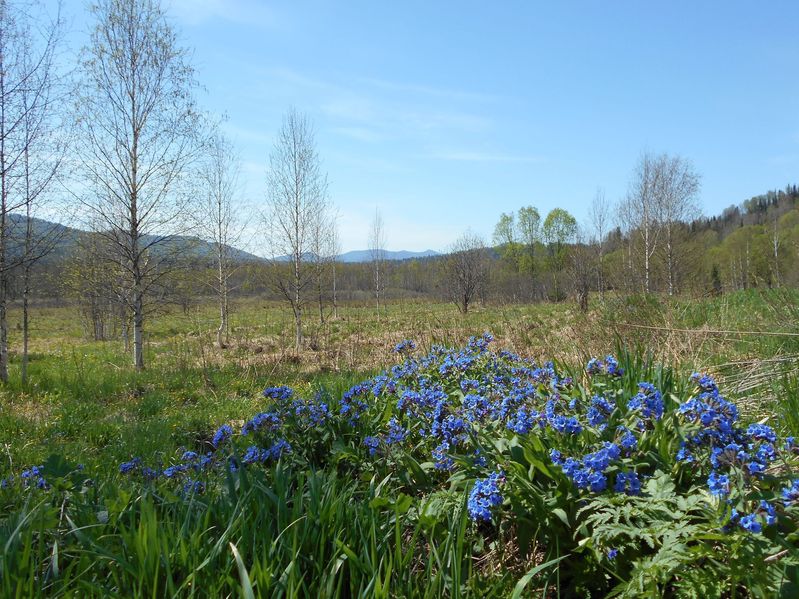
67, 236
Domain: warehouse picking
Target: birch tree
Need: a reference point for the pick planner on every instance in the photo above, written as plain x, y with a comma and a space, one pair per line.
529, 225
676, 191
44, 145
140, 133
324, 253
334, 249
296, 196
220, 220
559, 230
377, 248
599, 215
29, 40
639, 211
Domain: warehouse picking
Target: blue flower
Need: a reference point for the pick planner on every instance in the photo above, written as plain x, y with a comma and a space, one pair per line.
648, 401
628, 483
124, 467
485, 496
628, 441
609, 365
221, 435
556, 457
770, 512
252, 455
790, 494
372, 443
263, 421
704, 382
685, 455
396, 432
351, 405
281, 392
762, 432
442, 459
173, 471
612, 553
566, 424
719, 484
751, 523
405, 347
278, 448
523, 421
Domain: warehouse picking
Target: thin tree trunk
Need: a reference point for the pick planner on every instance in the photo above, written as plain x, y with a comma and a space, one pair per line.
320, 294
776, 254
297, 304
646, 258
335, 298
670, 258
25, 326
377, 289
27, 271
221, 332
138, 328
3, 229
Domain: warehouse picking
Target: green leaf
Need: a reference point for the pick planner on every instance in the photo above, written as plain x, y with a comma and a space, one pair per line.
525, 580
244, 577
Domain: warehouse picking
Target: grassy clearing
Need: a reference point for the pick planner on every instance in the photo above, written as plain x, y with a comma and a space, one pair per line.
83, 400
339, 523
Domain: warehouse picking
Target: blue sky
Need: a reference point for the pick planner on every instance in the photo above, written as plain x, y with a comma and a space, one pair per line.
445, 114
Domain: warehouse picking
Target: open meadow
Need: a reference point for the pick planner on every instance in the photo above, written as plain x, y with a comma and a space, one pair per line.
398, 300
430, 479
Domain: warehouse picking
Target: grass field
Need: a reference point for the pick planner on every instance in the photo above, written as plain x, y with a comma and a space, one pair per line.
331, 522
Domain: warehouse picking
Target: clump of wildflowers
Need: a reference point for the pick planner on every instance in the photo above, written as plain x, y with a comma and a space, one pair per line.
222, 434
406, 346
790, 495
648, 402
628, 483
130, 466
372, 444
280, 393
484, 496
607, 365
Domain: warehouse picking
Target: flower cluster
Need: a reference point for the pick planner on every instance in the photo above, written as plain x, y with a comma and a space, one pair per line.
591, 471
607, 365
648, 402
264, 431
406, 346
738, 459
444, 406
282, 392
485, 496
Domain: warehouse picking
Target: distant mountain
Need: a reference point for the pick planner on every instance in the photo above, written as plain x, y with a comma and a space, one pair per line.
65, 239
190, 247
366, 255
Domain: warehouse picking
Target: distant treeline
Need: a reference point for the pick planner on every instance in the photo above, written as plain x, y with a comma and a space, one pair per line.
754, 244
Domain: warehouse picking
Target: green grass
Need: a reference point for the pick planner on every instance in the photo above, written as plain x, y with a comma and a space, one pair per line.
319, 530
84, 400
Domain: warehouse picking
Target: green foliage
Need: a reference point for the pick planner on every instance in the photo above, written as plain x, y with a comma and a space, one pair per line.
329, 521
